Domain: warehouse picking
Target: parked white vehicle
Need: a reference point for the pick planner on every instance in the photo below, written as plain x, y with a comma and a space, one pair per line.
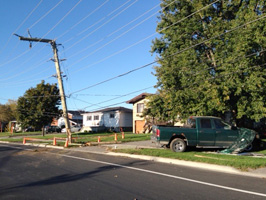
73, 129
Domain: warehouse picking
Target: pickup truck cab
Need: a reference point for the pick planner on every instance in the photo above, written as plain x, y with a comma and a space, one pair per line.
208, 132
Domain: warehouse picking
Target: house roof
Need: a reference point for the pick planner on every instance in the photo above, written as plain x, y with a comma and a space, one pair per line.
138, 98
112, 109
75, 112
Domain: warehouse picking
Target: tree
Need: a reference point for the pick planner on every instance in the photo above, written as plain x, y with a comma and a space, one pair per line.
12, 104
5, 113
208, 64
39, 105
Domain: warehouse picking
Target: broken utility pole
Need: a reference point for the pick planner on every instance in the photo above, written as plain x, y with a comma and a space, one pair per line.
59, 77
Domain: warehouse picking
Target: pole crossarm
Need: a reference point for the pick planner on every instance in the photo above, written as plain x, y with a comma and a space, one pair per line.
35, 39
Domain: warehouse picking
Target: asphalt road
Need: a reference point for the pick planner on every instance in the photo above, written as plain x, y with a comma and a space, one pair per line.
39, 173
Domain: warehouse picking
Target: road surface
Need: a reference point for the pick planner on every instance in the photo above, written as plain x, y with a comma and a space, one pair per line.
40, 173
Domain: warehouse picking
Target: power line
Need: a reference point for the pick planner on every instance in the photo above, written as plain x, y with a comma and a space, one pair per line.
140, 41
109, 15
24, 71
62, 19
115, 77
100, 95
48, 33
102, 25
37, 23
114, 32
96, 50
41, 18
93, 104
121, 96
195, 83
43, 37
45, 34
83, 19
160, 59
97, 22
22, 24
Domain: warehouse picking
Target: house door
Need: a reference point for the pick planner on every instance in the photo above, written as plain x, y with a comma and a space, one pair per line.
139, 126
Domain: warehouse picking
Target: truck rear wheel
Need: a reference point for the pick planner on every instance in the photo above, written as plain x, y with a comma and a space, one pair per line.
178, 145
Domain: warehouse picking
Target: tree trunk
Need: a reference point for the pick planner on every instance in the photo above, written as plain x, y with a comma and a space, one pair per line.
43, 131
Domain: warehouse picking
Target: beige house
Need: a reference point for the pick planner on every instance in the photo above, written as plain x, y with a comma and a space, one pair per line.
139, 103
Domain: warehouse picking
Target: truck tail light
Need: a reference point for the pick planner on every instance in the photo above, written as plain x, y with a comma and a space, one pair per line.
157, 133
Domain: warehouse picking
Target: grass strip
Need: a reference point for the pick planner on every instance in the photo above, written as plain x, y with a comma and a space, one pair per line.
240, 162
83, 138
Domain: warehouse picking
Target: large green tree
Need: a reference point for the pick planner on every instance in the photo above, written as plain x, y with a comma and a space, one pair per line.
209, 63
39, 105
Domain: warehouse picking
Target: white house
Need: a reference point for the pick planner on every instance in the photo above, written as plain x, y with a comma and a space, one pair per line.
108, 119
75, 118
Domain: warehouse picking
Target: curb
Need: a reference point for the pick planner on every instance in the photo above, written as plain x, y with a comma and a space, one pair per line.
33, 144
198, 165
44, 145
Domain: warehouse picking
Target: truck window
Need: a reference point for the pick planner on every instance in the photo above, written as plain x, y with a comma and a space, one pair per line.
191, 123
205, 123
219, 124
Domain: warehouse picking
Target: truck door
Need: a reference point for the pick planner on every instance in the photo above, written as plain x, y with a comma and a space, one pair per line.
206, 134
225, 135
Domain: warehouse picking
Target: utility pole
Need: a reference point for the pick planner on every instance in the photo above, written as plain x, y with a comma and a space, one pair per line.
59, 78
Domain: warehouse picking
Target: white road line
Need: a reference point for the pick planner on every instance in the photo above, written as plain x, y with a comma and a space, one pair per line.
153, 172
166, 175
12, 147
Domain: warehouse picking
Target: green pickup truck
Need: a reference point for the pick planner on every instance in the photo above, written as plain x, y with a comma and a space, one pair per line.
207, 132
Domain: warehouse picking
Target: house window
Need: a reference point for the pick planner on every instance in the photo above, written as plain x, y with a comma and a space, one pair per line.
112, 115
96, 117
88, 118
140, 107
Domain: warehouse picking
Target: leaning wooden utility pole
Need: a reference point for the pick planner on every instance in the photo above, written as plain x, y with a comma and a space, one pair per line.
59, 78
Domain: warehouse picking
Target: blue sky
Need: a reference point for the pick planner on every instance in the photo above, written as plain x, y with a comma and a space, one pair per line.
99, 39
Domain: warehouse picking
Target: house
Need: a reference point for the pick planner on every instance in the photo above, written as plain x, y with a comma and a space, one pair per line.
139, 103
75, 118
108, 119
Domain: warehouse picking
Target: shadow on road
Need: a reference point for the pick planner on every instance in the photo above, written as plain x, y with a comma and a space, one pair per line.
64, 178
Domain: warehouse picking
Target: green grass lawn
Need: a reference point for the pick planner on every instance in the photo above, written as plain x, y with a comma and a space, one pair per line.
240, 162
8, 134
81, 138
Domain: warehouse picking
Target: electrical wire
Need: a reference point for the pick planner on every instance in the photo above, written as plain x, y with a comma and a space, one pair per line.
21, 24
41, 18
83, 19
107, 15
102, 25
136, 43
116, 32
35, 24
178, 52
7, 78
189, 86
121, 96
38, 42
62, 18
116, 38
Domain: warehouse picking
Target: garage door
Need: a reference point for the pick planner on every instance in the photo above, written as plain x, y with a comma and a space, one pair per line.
139, 126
